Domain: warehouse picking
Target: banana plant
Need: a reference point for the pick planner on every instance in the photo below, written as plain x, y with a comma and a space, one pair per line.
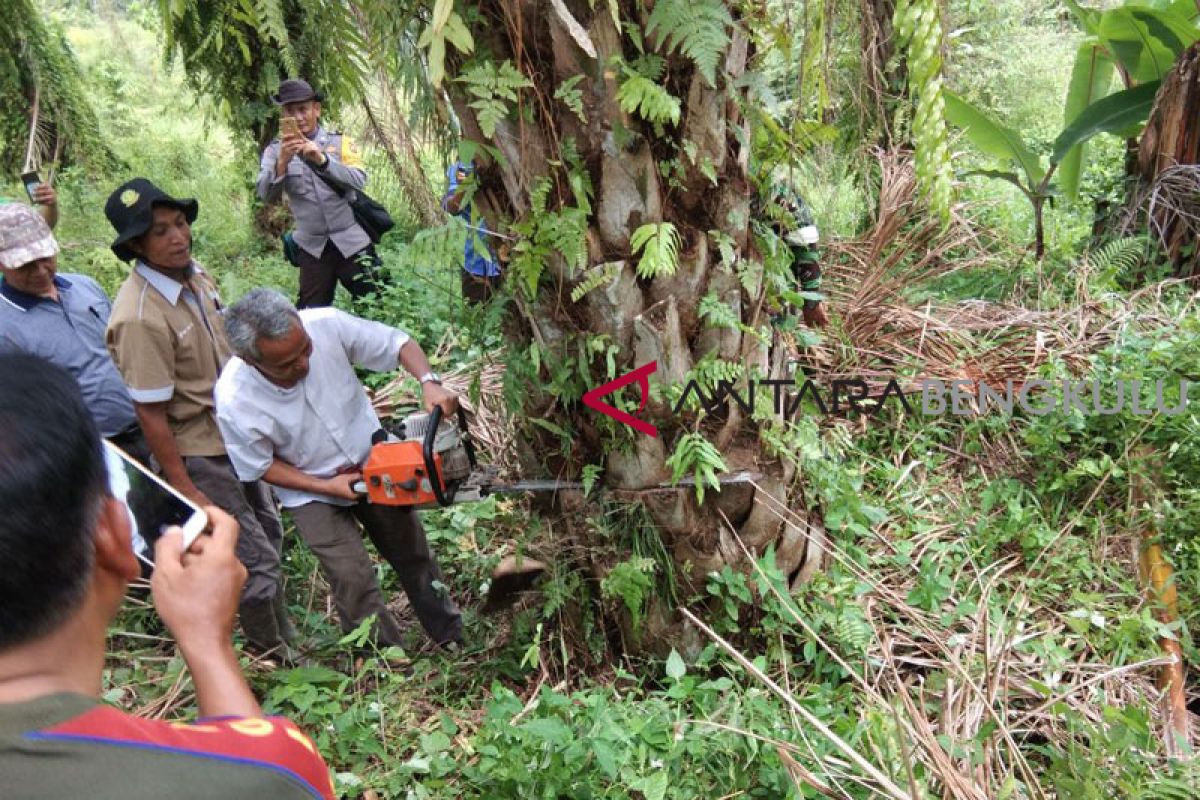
1120, 113
1137, 43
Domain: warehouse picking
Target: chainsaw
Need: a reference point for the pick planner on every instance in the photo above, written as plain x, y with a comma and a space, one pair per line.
428, 461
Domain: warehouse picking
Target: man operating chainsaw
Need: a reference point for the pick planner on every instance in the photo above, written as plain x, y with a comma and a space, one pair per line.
293, 413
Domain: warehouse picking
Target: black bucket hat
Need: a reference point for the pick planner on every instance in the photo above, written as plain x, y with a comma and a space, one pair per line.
130, 210
295, 90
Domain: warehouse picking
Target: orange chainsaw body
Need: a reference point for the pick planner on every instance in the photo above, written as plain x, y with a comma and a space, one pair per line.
395, 475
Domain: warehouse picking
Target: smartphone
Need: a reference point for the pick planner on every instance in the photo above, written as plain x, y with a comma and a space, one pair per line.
31, 181
288, 126
153, 505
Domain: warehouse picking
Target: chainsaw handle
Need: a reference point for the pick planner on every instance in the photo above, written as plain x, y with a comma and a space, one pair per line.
435, 479
468, 445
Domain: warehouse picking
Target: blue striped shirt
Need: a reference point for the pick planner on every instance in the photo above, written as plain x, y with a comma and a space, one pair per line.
70, 333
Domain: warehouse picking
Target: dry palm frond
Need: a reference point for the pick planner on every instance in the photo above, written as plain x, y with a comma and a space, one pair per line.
883, 335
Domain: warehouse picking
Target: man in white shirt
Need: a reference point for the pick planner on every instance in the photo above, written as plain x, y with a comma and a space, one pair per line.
293, 413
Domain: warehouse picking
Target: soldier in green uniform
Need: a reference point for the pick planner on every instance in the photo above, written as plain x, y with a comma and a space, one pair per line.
790, 217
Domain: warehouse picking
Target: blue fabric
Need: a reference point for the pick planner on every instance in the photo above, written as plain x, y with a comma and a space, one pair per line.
483, 264
70, 333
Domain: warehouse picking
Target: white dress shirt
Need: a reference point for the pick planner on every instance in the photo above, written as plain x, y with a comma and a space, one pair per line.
321, 425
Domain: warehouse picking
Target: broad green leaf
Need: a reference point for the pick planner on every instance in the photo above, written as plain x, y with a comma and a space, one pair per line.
652, 787
1176, 31
676, 669
1089, 18
458, 35
1113, 114
1144, 40
993, 138
1185, 9
1091, 79
441, 13
437, 59
549, 729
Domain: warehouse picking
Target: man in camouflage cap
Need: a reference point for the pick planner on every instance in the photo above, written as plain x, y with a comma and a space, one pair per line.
61, 318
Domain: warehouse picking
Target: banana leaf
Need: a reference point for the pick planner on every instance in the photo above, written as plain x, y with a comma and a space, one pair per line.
993, 138
1091, 79
1118, 113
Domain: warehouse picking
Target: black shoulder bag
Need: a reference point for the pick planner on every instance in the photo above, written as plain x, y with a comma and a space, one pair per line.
368, 213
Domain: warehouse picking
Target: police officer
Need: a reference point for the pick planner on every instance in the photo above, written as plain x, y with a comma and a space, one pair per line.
331, 246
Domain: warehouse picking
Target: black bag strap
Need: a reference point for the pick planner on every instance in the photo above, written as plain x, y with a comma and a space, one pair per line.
330, 181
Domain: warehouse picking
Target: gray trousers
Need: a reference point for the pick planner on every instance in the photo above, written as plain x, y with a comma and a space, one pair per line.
334, 535
260, 539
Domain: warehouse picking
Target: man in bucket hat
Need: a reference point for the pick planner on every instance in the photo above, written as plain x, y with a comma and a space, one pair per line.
61, 317
167, 338
331, 246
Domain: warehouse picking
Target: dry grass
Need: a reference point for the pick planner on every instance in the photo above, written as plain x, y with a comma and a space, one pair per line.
991, 692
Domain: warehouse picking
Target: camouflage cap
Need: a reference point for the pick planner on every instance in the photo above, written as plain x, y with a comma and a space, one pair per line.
24, 236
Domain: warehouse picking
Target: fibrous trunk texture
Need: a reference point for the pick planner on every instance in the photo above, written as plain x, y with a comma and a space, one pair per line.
647, 319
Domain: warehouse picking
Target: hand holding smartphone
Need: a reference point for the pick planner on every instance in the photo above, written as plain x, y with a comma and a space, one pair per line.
153, 505
31, 181
289, 127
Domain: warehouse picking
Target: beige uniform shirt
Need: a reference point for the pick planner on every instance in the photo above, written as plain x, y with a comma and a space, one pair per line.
168, 341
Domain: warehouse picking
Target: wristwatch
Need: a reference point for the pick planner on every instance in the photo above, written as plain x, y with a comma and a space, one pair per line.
430, 377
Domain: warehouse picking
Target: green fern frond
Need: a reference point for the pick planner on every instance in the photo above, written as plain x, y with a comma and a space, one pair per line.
853, 632
659, 246
571, 97
717, 313
271, 21
597, 277
711, 370
527, 265
494, 87
566, 232
696, 456
697, 28
539, 195
1120, 255
639, 95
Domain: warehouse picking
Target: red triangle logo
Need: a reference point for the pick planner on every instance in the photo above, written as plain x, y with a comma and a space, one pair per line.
642, 376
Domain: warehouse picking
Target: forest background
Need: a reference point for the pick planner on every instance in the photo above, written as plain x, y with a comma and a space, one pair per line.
963, 610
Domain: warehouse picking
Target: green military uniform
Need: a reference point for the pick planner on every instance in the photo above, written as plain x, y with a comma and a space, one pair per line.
790, 217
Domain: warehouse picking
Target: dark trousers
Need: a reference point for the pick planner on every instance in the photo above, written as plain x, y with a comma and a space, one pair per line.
478, 289
319, 277
336, 539
133, 442
260, 538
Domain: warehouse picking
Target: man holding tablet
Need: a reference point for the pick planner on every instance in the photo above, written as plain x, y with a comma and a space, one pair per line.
65, 544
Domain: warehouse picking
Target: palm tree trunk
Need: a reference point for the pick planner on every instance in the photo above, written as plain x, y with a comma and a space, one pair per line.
622, 158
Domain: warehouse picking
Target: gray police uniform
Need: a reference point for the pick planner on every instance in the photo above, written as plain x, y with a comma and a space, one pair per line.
332, 247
